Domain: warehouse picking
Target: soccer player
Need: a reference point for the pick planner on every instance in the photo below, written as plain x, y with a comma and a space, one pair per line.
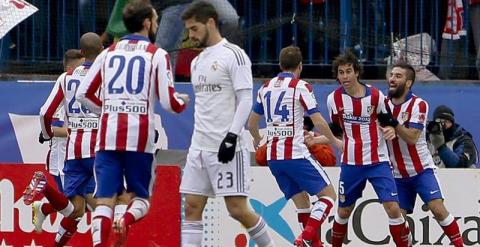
132, 74
357, 109
57, 144
414, 169
217, 160
283, 100
82, 128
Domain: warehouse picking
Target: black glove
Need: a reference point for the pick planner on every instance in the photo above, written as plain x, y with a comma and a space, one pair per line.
226, 152
336, 129
386, 119
156, 136
42, 139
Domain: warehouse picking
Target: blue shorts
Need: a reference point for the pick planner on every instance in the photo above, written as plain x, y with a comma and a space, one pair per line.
354, 178
78, 177
295, 176
58, 182
425, 184
112, 166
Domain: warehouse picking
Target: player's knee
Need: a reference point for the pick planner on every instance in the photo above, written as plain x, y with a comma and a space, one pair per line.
438, 209
392, 209
344, 213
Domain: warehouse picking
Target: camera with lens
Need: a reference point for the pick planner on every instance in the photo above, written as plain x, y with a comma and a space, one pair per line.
435, 127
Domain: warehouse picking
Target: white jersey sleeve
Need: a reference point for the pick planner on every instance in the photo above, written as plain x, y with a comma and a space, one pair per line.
87, 91
307, 97
54, 101
241, 70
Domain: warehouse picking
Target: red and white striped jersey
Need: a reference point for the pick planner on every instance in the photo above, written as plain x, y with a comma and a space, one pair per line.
363, 140
409, 160
283, 100
132, 74
82, 124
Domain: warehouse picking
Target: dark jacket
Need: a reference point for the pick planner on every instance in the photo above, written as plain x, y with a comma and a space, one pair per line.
160, 5
459, 150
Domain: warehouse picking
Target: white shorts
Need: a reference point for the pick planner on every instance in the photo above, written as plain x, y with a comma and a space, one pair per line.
205, 175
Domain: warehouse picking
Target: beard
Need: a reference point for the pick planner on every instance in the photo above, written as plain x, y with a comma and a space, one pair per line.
152, 36
398, 92
202, 43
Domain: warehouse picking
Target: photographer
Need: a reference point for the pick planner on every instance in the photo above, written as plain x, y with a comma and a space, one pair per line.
450, 145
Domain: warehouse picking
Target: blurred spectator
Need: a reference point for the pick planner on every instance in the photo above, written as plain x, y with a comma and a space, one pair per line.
115, 26
452, 52
474, 9
450, 145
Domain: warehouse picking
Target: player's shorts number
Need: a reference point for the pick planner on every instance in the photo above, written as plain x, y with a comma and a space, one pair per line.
118, 61
72, 85
280, 109
225, 180
341, 190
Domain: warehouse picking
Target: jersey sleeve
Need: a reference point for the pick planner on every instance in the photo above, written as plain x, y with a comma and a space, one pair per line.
241, 71
164, 83
54, 101
419, 115
307, 98
87, 91
381, 108
258, 105
332, 110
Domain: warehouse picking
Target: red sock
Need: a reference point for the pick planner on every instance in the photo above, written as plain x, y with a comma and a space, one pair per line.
128, 218
57, 200
399, 234
67, 228
303, 219
47, 208
453, 233
338, 233
320, 211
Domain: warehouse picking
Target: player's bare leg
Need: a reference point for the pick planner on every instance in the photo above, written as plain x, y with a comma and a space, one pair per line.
192, 226
256, 227
446, 221
119, 211
397, 225
340, 225
102, 221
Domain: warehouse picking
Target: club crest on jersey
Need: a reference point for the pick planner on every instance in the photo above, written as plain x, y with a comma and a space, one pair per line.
405, 116
215, 66
370, 109
278, 83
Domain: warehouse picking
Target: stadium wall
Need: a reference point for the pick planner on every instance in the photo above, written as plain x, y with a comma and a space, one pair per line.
20, 103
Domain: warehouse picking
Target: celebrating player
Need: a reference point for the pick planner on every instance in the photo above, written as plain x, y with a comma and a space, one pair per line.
283, 100
358, 109
132, 74
414, 169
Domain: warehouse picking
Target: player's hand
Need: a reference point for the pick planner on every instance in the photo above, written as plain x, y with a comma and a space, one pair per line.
42, 139
226, 152
437, 140
388, 133
184, 97
256, 142
386, 119
309, 139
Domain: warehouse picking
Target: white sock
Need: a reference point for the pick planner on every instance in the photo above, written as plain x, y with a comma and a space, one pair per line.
192, 233
119, 211
138, 207
260, 234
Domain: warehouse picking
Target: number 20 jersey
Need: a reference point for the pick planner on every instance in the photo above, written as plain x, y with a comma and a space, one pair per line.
132, 74
283, 101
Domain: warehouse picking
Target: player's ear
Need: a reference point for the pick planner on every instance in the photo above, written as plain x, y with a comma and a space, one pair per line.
147, 23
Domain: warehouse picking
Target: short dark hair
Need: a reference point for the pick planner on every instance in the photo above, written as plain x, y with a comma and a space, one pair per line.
346, 58
135, 12
201, 11
410, 70
290, 57
71, 54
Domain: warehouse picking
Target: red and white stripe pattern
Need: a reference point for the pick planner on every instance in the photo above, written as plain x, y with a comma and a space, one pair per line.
409, 160
363, 140
285, 132
119, 71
